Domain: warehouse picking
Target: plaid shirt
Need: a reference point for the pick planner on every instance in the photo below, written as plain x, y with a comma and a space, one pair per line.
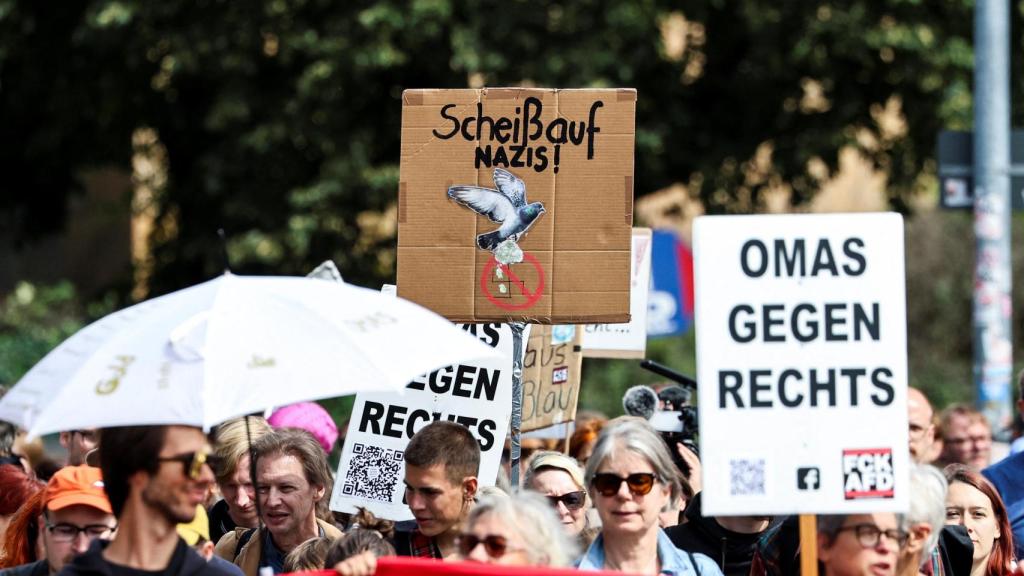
414, 544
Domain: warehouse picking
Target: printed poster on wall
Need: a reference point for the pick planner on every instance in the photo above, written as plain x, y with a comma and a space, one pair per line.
802, 363
371, 471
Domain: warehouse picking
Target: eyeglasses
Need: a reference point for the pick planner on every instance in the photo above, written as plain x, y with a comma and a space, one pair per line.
869, 535
193, 462
69, 532
608, 484
495, 546
572, 500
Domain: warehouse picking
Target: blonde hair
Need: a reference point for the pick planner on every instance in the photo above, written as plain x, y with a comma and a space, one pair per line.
548, 460
233, 441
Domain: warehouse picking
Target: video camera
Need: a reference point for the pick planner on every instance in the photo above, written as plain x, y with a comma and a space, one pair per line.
668, 411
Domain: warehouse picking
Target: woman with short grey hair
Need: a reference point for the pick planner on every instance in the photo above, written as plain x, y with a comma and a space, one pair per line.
521, 529
632, 479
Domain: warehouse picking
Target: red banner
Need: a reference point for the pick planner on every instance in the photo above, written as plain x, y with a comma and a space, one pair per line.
397, 565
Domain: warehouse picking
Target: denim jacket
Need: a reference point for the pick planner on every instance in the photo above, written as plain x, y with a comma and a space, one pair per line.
674, 562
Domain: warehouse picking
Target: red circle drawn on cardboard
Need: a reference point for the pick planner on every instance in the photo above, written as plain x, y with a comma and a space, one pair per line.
531, 297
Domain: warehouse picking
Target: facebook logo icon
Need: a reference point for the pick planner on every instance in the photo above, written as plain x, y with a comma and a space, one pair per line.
808, 478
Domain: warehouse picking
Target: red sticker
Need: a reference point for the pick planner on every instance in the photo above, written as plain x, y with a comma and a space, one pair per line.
504, 300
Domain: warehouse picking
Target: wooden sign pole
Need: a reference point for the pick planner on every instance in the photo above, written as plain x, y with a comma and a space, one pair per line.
808, 545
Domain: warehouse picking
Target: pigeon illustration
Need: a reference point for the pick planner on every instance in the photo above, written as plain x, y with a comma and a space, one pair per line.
506, 206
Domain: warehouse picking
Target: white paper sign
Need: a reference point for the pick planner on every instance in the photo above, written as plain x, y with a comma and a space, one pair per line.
371, 471
627, 340
802, 363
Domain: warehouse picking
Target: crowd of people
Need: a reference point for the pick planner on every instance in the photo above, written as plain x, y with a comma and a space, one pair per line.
252, 499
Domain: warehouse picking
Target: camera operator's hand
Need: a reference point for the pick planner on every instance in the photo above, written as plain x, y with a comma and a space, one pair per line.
694, 462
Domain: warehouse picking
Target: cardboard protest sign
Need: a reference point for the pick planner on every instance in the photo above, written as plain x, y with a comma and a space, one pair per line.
372, 468
516, 204
802, 363
551, 376
554, 432
627, 340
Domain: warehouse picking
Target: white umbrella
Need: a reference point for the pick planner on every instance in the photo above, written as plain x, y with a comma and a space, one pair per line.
232, 346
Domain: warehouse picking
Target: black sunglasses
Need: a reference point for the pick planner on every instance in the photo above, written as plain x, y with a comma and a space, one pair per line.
608, 484
572, 500
494, 545
193, 462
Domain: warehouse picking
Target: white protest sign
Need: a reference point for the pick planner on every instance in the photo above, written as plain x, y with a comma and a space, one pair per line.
627, 340
371, 471
802, 363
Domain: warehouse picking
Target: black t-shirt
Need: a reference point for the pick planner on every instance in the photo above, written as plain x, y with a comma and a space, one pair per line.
184, 561
220, 521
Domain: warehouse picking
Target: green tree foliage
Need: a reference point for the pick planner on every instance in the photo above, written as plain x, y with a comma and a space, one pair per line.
606, 380
281, 117
34, 319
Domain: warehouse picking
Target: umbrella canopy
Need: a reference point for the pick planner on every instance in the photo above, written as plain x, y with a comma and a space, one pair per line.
232, 346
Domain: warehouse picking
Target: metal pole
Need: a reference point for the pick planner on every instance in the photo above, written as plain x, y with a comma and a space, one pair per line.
517, 399
993, 337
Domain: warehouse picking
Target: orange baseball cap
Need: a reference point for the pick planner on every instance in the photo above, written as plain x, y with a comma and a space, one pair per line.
76, 485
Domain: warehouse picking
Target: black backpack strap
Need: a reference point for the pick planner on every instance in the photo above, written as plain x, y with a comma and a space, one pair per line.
693, 562
242, 541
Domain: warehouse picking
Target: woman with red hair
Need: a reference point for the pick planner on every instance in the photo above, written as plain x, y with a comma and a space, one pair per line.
582, 441
21, 543
15, 488
973, 502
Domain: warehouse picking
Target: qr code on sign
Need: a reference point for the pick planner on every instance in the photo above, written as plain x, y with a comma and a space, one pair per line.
373, 472
746, 477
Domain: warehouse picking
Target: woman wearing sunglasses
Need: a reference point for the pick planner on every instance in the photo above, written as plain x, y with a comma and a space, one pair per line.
519, 530
632, 479
560, 479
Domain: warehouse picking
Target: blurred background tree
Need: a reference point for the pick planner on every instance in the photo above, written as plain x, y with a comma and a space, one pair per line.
279, 120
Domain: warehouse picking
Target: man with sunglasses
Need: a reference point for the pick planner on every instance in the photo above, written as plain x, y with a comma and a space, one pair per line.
75, 512
154, 477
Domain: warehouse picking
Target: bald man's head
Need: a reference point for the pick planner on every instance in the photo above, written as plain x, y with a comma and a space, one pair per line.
922, 431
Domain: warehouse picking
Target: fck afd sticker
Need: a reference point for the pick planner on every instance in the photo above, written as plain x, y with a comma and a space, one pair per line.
867, 473
560, 375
